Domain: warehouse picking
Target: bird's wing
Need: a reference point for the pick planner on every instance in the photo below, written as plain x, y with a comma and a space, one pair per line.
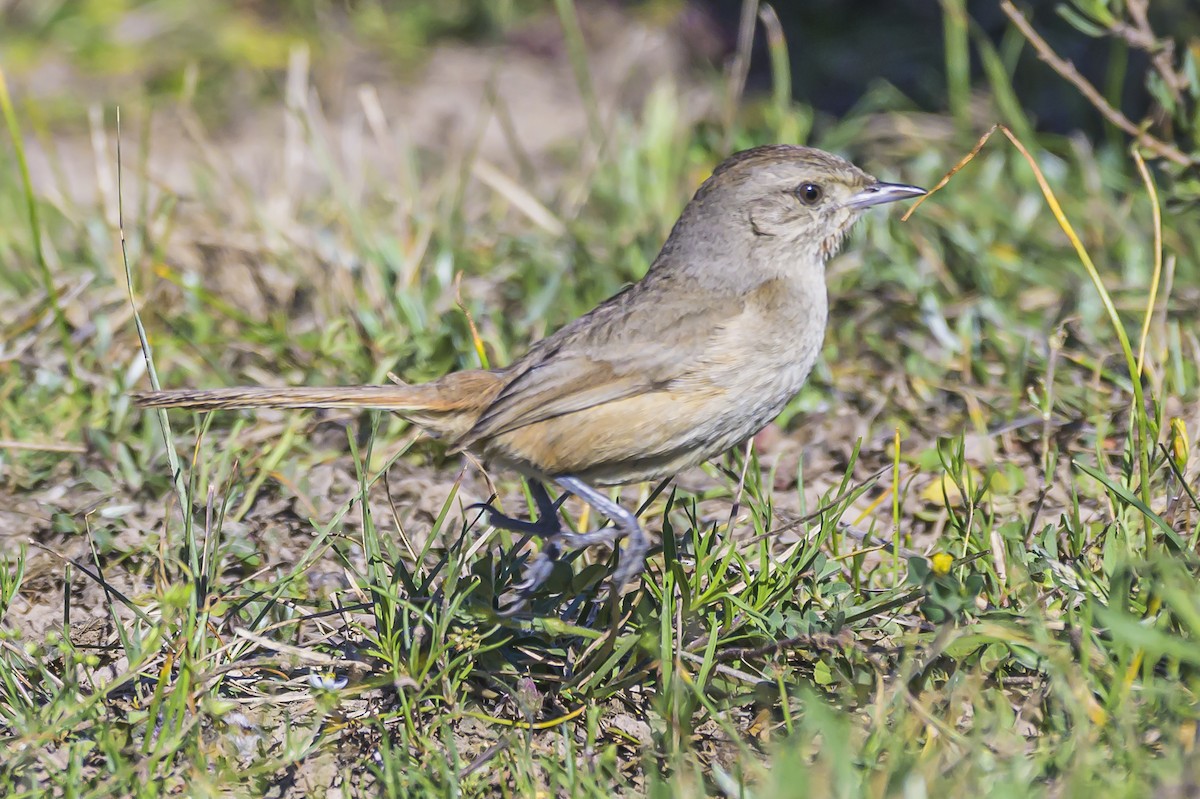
625, 347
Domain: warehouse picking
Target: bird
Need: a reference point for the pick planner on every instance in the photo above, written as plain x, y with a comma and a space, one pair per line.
680, 366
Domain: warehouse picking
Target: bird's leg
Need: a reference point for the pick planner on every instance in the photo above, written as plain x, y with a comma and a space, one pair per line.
539, 569
625, 526
547, 527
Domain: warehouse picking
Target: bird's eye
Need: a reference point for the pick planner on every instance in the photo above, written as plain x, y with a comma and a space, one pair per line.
809, 193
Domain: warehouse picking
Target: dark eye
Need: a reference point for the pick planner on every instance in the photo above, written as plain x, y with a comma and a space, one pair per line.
809, 193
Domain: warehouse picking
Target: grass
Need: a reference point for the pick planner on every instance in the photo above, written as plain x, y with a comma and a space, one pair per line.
964, 561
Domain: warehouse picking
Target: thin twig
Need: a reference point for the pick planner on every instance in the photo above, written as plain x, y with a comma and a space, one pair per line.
1161, 51
283, 666
1067, 71
728, 671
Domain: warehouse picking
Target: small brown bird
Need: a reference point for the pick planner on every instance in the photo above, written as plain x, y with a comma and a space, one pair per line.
689, 361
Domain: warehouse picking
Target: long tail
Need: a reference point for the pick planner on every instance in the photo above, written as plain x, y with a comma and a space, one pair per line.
389, 398
453, 401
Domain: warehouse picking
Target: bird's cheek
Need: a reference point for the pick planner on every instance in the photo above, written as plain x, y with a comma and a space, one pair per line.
771, 219
843, 219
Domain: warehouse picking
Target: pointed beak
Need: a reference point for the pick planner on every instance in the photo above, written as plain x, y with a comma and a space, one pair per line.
880, 193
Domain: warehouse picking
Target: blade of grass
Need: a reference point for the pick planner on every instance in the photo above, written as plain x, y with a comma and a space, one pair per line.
1000, 80
1158, 256
787, 123
1127, 496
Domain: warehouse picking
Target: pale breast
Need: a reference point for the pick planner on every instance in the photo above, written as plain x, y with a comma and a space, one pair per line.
761, 359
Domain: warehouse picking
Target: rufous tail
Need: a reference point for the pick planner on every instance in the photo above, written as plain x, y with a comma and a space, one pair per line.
387, 398
448, 406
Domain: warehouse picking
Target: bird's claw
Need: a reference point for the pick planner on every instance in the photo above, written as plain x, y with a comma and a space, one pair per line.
633, 563
537, 572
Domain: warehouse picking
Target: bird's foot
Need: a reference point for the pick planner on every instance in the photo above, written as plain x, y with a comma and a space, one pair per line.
625, 526
633, 558
547, 527
555, 540
537, 572
539, 568
633, 554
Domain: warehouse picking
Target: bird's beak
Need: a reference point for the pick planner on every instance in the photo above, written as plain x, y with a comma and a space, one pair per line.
880, 193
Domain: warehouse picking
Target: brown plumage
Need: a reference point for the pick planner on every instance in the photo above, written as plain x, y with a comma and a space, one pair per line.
694, 358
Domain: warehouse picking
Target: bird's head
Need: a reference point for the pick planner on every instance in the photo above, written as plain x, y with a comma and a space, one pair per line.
800, 194
798, 202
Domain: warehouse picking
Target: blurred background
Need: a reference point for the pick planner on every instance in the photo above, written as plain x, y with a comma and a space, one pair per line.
229, 53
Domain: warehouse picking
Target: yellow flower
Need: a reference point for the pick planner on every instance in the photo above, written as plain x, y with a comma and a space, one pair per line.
942, 562
1179, 443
